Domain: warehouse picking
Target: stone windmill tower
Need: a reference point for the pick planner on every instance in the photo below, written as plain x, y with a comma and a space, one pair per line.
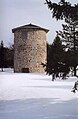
29, 48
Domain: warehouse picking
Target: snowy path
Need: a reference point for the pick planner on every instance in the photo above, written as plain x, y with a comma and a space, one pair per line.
35, 96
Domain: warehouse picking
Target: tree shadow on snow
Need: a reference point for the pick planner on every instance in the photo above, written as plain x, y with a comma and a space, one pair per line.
53, 86
44, 108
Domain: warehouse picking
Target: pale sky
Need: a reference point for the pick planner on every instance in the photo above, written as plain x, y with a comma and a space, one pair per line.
14, 13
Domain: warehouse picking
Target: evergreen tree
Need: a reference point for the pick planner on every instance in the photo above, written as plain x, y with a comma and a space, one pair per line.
10, 56
2, 56
69, 36
6, 56
56, 63
63, 10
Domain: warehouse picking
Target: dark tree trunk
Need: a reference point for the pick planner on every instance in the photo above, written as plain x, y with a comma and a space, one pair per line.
2, 55
74, 54
74, 70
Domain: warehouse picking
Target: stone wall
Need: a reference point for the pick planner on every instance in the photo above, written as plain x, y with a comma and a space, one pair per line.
29, 50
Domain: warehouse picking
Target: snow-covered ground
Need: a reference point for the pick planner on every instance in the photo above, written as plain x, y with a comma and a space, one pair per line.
35, 96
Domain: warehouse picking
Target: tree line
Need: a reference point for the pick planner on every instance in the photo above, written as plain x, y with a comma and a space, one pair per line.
6, 56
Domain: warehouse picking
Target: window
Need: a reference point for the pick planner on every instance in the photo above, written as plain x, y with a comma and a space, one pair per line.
24, 35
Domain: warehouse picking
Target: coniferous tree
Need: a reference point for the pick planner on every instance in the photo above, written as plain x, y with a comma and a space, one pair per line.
6, 56
56, 63
63, 10
2, 56
69, 36
9, 54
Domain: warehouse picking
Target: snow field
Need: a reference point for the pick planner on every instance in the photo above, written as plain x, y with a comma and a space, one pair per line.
35, 96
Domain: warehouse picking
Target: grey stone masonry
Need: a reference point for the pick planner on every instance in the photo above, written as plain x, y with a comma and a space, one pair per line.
29, 48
